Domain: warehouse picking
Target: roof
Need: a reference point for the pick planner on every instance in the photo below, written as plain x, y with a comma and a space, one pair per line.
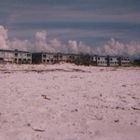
13, 51
56, 53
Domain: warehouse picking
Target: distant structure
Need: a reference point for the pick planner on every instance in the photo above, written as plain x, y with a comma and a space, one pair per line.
80, 59
24, 57
15, 56
52, 58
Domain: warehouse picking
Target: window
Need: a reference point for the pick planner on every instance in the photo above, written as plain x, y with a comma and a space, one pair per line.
16, 54
72, 57
1, 59
44, 55
28, 54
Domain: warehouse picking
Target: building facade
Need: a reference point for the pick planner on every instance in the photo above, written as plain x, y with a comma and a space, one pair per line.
44, 58
15, 56
52, 58
113, 61
24, 57
6, 56
124, 61
102, 61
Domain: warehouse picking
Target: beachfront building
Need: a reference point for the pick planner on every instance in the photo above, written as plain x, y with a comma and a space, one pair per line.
93, 60
113, 61
44, 58
102, 61
6, 56
52, 58
15, 56
70, 58
124, 61
22, 57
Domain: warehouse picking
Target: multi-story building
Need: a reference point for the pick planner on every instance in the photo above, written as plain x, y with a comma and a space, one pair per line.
44, 58
102, 61
110, 60
51, 58
93, 60
15, 56
124, 61
113, 61
6, 56
24, 57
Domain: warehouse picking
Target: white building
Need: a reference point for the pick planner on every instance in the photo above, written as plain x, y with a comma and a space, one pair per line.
124, 61
7, 56
102, 61
49, 58
23, 57
15, 56
67, 57
52, 58
93, 60
113, 61
44, 57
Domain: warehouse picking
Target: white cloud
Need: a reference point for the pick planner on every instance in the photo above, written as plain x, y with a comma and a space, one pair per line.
3, 37
113, 47
41, 43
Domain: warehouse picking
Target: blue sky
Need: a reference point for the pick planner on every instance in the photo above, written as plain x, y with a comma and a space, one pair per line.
91, 21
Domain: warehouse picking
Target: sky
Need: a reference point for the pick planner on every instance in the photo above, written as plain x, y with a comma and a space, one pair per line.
93, 22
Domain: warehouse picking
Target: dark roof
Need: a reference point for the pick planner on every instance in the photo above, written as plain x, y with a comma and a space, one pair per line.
56, 53
12, 51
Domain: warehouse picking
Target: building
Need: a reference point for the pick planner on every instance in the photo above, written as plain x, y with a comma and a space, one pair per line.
110, 60
113, 61
15, 56
93, 60
44, 58
62, 57
70, 58
124, 61
22, 57
52, 58
6, 56
102, 60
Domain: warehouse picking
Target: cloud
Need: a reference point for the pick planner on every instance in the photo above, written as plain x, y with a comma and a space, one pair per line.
78, 16
3, 37
41, 36
113, 47
41, 42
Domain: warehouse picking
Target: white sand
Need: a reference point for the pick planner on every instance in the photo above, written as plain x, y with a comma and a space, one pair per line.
68, 102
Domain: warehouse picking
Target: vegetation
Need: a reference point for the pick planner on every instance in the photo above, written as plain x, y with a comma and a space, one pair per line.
136, 62
83, 59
